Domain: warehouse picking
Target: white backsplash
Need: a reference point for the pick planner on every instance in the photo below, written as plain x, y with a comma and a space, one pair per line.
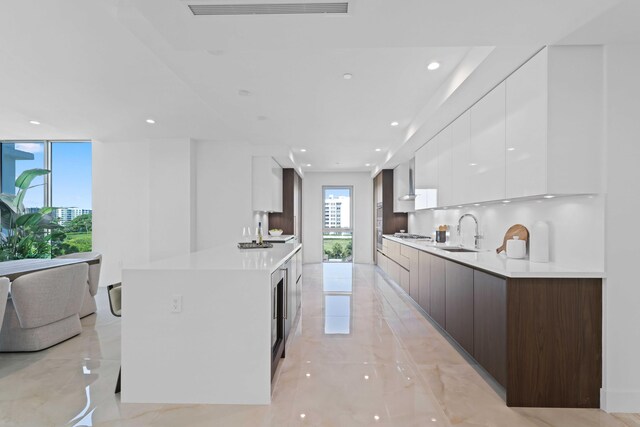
576, 225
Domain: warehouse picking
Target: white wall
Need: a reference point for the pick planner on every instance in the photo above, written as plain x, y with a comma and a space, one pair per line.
576, 226
120, 205
313, 206
223, 192
142, 202
621, 383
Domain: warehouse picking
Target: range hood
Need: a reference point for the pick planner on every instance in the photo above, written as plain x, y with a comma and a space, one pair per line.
411, 195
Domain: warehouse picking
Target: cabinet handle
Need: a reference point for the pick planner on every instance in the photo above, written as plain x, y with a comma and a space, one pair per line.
286, 293
275, 305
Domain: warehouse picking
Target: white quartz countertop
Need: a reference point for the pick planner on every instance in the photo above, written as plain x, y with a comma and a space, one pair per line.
228, 258
499, 263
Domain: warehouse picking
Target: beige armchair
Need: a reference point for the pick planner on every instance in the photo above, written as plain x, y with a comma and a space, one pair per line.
89, 303
44, 308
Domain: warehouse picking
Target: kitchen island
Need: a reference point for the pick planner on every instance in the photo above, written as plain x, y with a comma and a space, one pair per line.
198, 328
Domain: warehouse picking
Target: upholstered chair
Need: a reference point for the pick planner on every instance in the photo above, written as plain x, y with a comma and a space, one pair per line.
43, 309
89, 303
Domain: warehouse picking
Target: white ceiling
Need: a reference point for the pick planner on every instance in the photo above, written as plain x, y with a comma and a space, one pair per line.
98, 69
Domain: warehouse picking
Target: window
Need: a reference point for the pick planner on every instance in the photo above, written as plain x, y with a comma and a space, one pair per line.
337, 233
71, 193
67, 189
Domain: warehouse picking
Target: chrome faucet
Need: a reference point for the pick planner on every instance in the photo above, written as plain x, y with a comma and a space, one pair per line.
476, 236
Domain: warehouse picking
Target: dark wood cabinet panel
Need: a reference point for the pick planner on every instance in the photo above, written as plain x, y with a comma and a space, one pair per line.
554, 336
290, 219
424, 280
459, 304
490, 324
437, 301
391, 222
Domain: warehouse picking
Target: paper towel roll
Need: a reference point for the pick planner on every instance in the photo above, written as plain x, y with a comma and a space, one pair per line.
516, 248
539, 242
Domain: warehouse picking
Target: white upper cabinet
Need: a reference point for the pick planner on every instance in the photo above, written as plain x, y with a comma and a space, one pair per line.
445, 167
538, 132
487, 153
266, 177
461, 147
401, 188
426, 176
526, 150
554, 123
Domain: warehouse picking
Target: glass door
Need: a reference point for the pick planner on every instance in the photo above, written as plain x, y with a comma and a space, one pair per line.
337, 224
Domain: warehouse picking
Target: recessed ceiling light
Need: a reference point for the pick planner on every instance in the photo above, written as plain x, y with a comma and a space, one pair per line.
302, 415
366, 377
506, 201
549, 196
308, 164
308, 374
376, 417
473, 164
303, 150
511, 149
150, 121
367, 164
394, 123
433, 66
378, 149
347, 76
34, 122
244, 92
476, 204
459, 206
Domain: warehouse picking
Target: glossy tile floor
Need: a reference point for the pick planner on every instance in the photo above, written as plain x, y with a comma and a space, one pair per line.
362, 356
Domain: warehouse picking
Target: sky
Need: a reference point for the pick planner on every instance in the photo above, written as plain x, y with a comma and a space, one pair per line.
336, 192
70, 178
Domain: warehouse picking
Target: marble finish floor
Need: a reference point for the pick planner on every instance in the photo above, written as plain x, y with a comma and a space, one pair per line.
362, 355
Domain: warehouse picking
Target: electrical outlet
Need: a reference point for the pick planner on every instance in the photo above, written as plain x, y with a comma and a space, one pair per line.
176, 304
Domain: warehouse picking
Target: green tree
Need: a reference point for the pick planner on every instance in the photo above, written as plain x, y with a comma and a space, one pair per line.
79, 224
337, 251
25, 235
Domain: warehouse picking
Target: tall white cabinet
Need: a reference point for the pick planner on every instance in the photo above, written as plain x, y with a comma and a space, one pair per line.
461, 148
266, 180
486, 155
554, 123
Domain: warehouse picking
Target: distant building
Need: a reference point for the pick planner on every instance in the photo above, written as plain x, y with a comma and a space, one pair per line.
337, 212
67, 214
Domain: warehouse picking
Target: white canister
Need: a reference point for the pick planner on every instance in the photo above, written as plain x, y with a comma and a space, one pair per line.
539, 242
516, 248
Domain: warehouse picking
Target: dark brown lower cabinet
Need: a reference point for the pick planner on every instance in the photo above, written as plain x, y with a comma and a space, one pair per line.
490, 324
424, 277
459, 304
438, 298
554, 342
540, 338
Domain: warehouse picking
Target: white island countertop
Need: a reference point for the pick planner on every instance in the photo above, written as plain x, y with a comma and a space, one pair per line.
499, 263
228, 258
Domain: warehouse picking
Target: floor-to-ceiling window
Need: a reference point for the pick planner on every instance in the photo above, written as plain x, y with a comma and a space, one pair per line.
71, 194
337, 224
56, 206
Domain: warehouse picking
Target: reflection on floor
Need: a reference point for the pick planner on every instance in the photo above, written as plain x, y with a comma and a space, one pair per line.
362, 356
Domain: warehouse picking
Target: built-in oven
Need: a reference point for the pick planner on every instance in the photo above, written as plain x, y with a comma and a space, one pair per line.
278, 285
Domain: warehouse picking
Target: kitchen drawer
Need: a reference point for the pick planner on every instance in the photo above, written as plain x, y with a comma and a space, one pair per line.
405, 280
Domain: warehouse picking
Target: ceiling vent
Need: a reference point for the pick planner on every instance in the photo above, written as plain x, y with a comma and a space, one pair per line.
269, 9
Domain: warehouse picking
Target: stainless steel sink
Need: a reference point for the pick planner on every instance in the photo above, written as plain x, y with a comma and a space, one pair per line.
458, 250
